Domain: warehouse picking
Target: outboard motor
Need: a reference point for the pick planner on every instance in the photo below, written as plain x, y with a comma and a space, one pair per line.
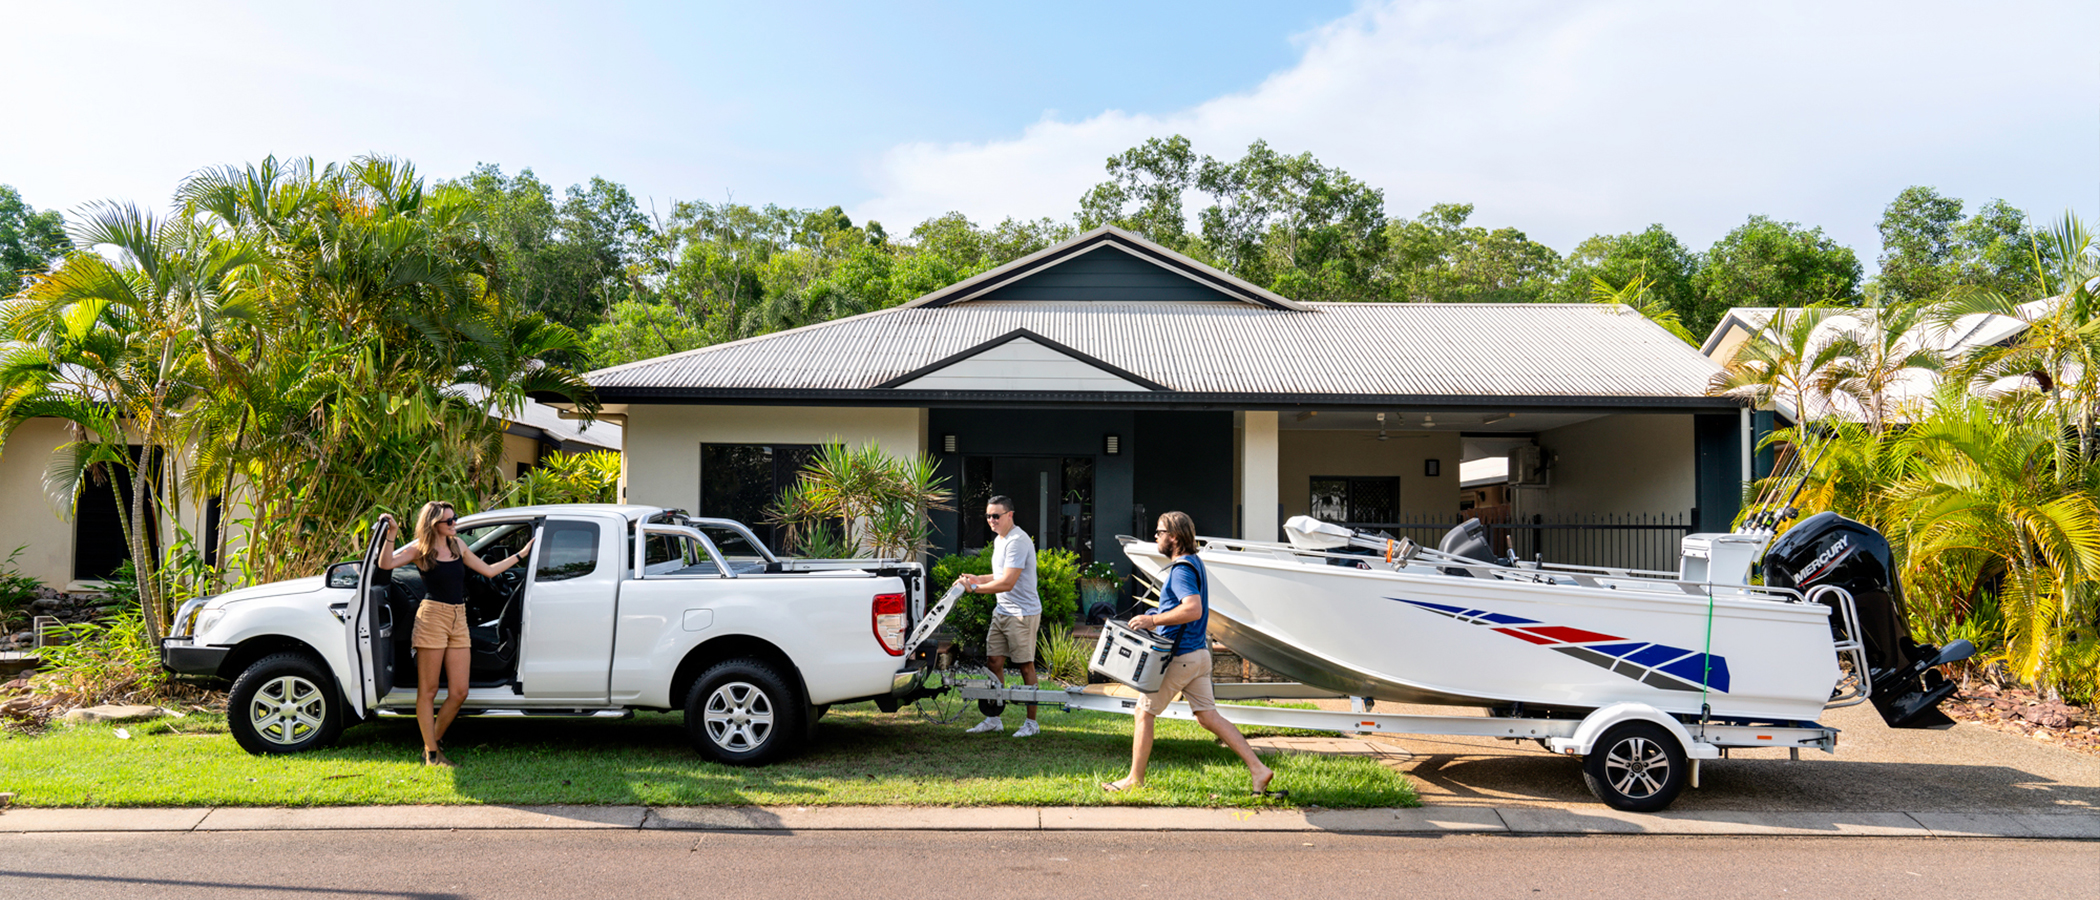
1905, 682
1469, 540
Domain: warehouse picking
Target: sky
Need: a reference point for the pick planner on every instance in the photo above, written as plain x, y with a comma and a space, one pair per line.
1561, 119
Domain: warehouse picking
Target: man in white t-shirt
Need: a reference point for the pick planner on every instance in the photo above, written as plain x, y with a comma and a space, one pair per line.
1019, 611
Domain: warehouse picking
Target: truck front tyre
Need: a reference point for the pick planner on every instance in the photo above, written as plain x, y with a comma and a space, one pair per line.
284, 703
1636, 767
744, 712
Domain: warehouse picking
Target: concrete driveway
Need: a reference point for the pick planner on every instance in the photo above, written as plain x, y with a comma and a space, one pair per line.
1967, 768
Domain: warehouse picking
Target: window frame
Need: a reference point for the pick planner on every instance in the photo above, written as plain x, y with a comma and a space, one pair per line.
641, 551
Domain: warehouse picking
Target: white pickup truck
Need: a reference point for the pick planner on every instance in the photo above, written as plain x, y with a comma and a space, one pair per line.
618, 608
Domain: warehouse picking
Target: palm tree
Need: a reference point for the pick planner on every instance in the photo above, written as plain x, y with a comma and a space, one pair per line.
1880, 351
1986, 488
117, 341
1788, 360
2058, 350
1634, 295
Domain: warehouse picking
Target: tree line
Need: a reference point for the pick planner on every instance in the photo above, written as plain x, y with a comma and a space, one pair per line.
635, 284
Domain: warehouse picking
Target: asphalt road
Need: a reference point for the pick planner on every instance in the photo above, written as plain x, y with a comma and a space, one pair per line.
865, 865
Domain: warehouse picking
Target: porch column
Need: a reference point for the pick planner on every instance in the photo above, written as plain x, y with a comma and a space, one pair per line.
1259, 497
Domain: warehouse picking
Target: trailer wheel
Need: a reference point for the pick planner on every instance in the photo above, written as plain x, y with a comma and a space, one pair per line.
992, 708
1636, 767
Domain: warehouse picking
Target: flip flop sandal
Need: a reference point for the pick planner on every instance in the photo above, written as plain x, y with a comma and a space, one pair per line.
1271, 795
1111, 787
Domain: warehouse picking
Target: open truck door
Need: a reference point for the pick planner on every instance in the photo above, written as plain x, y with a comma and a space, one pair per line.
371, 628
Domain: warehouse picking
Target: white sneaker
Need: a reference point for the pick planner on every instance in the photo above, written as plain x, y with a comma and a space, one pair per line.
1027, 729
991, 725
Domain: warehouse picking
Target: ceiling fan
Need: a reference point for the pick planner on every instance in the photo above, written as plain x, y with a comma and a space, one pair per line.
1382, 435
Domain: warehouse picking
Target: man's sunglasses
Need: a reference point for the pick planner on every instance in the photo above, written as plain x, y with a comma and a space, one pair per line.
993, 517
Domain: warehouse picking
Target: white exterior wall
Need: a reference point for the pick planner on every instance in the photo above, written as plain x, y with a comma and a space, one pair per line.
29, 521
662, 452
1617, 465
1258, 472
1020, 365
1359, 453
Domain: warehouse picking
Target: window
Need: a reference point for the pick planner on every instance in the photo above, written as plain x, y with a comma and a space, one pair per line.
1356, 501
99, 547
742, 481
567, 550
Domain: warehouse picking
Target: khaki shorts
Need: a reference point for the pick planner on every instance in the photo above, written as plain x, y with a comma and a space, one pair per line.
1189, 676
440, 626
1012, 637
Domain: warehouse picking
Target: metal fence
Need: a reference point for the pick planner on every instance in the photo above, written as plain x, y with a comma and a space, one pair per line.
1633, 541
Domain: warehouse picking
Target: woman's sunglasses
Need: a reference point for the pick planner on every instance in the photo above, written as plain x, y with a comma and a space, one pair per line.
446, 521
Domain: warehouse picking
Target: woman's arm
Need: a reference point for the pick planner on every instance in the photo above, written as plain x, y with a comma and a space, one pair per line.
390, 558
492, 570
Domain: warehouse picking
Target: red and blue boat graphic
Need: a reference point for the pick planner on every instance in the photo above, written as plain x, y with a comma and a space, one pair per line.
1656, 665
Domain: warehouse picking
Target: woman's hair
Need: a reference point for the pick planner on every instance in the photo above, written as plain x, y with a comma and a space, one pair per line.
1180, 537
427, 532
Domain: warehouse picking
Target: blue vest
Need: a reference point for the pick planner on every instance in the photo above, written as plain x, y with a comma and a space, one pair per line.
1188, 637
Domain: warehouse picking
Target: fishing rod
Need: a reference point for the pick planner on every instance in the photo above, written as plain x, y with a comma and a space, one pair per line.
1769, 519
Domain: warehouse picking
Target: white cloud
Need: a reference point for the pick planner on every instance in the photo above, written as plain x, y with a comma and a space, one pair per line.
1568, 121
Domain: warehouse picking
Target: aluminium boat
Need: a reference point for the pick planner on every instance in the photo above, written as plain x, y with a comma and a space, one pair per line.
1368, 616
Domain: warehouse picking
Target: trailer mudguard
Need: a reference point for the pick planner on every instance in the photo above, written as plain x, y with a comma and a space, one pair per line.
1603, 718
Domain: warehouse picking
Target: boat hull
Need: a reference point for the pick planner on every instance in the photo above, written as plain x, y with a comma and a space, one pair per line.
1421, 636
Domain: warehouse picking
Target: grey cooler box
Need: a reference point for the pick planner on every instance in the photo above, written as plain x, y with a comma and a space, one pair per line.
1133, 658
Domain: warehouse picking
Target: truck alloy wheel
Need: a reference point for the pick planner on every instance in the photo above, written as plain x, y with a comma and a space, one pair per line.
1636, 766
283, 703
743, 712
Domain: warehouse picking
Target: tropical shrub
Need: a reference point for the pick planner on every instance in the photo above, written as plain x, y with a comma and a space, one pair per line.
861, 502
1061, 656
16, 592
590, 477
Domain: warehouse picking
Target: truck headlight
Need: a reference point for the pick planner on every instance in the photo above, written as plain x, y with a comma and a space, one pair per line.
206, 619
186, 618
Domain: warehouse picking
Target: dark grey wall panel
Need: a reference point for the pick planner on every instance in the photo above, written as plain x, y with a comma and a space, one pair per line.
1106, 274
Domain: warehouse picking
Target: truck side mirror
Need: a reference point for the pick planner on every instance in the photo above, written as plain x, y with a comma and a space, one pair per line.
344, 574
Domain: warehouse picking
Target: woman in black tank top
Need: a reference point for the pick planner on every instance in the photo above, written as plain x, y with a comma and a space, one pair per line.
440, 637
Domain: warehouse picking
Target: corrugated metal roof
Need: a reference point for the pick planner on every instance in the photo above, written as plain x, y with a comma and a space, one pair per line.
1457, 350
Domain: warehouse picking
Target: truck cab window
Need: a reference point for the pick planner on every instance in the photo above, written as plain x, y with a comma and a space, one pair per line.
568, 550
675, 554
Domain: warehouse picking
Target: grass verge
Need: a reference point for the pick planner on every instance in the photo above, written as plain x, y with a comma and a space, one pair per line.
860, 756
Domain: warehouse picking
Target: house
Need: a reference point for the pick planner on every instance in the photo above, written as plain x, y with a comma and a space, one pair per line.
1108, 379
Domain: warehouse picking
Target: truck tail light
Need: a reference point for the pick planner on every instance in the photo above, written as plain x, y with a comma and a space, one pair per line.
889, 618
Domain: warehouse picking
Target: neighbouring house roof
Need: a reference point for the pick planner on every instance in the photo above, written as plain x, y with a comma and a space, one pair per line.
1741, 325
1109, 319
545, 424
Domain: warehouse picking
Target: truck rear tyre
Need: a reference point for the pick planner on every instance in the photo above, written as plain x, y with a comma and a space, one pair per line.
744, 712
284, 703
1636, 767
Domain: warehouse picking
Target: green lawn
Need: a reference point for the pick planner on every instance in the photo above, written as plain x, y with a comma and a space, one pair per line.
860, 756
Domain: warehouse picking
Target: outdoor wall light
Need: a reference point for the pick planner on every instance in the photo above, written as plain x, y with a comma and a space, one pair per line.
947, 443
1111, 444
1432, 467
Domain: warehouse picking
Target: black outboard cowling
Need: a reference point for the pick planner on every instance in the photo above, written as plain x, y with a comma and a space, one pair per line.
1828, 548
1469, 540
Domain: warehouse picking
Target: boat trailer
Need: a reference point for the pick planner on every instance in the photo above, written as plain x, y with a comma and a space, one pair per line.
1635, 757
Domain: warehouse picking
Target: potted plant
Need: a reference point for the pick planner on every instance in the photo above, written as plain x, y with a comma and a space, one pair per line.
1097, 584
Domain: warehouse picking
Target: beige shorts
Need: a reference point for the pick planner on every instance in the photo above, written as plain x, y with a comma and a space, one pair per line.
1189, 676
440, 626
1012, 637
